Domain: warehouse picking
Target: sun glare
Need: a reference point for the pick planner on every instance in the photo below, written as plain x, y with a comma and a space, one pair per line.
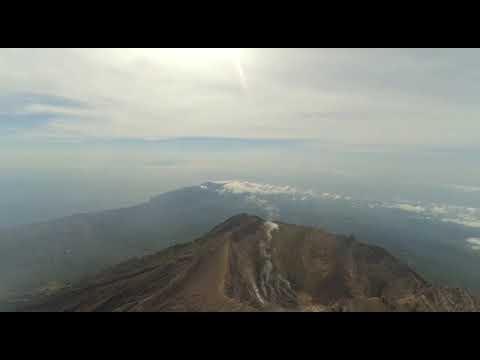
197, 58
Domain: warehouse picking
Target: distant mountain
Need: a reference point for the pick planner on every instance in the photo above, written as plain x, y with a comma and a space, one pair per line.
68, 248
50, 255
249, 264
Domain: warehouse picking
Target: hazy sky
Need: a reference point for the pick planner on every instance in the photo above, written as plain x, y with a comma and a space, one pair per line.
84, 129
366, 96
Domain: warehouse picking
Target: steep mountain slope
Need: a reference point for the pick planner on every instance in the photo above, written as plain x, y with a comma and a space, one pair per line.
43, 257
248, 264
66, 249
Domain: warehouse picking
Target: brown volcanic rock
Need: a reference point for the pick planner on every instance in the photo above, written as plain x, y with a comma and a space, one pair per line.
247, 264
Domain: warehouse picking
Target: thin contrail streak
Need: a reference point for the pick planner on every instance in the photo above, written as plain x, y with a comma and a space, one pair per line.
241, 74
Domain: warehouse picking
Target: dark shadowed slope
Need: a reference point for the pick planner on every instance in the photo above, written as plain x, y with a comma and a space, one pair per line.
247, 264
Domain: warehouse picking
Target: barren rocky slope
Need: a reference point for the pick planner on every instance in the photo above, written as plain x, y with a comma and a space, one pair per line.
248, 264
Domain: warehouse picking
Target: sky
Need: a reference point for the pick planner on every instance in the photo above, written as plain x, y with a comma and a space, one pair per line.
120, 124
366, 96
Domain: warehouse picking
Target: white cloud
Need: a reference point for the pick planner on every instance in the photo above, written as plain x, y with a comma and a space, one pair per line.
466, 216
158, 93
439, 210
408, 207
465, 188
464, 222
246, 187
474, 243
269, 228
333, 196
259, 194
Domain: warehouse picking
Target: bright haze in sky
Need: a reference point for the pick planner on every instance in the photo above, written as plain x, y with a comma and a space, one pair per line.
107, 127
355, 96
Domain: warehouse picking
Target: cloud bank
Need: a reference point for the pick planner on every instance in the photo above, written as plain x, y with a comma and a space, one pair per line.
474, 243
245, 93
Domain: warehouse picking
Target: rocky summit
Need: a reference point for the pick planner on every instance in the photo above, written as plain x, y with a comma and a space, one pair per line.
249, 264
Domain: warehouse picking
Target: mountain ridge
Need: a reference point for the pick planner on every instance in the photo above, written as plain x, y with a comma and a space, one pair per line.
64, 250
248, 264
